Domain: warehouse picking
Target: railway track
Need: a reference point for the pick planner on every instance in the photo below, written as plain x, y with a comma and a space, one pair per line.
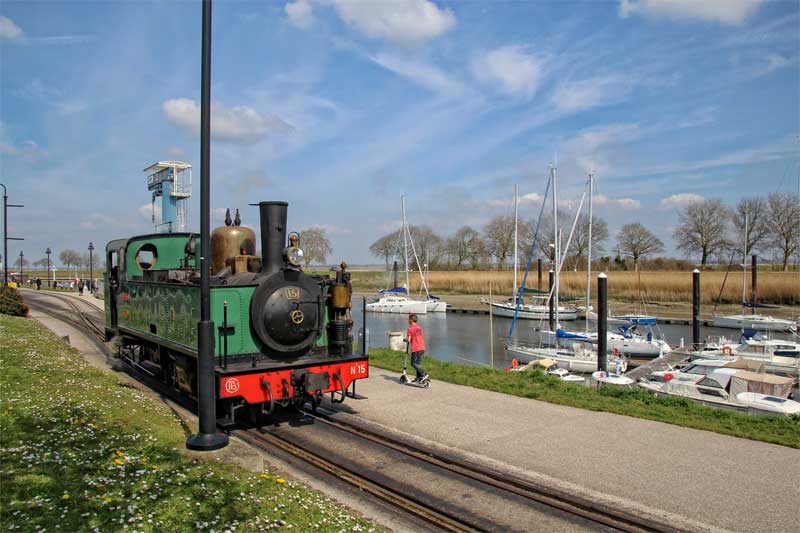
452, 495
466, 497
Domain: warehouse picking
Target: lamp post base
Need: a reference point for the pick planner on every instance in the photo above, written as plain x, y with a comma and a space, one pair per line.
206, 442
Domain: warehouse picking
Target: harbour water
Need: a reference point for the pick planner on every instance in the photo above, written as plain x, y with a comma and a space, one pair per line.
464, 338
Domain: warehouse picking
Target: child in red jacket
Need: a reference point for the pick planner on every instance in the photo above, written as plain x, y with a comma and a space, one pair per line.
415, 338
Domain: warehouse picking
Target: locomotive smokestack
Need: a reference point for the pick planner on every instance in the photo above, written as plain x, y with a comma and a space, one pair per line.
273, 234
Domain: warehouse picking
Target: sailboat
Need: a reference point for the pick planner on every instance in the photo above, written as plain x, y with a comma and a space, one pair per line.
581, 356
397, 300
753, 321
515, 306
626, 340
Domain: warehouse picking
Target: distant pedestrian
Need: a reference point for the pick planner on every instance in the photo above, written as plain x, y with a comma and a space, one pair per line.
38, 283
80, 287
416, 339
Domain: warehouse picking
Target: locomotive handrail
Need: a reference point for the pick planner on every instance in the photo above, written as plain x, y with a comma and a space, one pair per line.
342, 390
265, 384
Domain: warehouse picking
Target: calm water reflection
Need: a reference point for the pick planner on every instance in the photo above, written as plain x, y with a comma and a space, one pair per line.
463, 338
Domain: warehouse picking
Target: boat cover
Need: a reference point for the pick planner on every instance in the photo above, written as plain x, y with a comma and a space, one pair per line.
561, 334
396, 290
754, 304
770, 384
746, 364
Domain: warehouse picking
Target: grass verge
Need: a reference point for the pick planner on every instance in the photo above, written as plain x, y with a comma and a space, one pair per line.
630, 402
81, 451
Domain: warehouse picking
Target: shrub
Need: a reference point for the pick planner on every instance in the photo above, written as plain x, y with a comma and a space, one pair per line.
11, 302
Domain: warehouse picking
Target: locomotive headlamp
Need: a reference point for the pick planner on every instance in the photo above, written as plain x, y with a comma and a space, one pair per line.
294, 255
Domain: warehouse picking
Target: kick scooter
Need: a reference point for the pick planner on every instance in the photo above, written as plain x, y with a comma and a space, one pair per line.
405, 380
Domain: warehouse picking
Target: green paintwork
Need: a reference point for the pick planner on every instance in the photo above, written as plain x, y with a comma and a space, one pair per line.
170, 249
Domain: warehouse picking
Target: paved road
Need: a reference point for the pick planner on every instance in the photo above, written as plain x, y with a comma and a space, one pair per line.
722, 481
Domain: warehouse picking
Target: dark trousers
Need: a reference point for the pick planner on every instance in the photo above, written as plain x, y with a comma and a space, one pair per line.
416, 362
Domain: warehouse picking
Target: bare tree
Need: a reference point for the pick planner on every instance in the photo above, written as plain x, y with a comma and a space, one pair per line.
580, 239
784, 224
547, 238
385, 247
703, 229
315, 245
459, 245
478, 252
40, 262
427, 244
637, 241
94, 261
69, 258
755, 209
499, 238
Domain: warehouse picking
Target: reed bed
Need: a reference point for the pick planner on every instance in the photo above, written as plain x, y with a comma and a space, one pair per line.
773, 287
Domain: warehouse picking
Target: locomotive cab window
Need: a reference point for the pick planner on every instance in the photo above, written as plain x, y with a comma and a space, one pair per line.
146, 257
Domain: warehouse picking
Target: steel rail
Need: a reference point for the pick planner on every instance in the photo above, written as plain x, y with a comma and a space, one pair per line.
542, 494
265, 441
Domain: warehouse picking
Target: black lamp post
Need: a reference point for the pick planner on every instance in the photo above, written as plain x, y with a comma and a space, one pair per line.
48, 252
6, 238
208, 437
91, 271
21, 274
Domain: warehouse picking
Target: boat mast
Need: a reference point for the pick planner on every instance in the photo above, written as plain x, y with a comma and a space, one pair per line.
405, 244
555, 243
589, 258
514, 294
744, 265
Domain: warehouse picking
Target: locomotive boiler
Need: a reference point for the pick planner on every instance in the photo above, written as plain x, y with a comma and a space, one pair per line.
283, 336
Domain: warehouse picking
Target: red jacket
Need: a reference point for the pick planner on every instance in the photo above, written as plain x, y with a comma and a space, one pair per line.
414, 336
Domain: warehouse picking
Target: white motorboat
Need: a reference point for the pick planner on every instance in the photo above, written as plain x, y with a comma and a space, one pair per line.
580, 358
612, 379
759, 322
435, 305
395, 301
776, 354
739, 384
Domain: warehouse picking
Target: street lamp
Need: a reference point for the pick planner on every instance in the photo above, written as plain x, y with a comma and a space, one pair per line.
91, 273
6, 238
48, 252
21, 274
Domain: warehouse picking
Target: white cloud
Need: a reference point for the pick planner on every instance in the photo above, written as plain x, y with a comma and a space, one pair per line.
28, 150
776, 61
420, 73
148, 210
407, 22
680, 200
97, 221
36, 89
175, 151
601, 200
593, 92
239, 123
731, 12
699, 117
9, 30
531, 197
512, 67
300, 13
70, 107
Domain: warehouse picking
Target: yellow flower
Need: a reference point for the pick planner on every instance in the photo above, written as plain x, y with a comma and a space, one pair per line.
280, 480
118, 461
65, 497
264, 476
120, 454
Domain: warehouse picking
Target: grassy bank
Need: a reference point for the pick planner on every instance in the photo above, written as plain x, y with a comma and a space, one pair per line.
773, 287
81, 451
631, 402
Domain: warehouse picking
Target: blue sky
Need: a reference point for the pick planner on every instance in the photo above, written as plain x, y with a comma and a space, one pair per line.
341, 106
